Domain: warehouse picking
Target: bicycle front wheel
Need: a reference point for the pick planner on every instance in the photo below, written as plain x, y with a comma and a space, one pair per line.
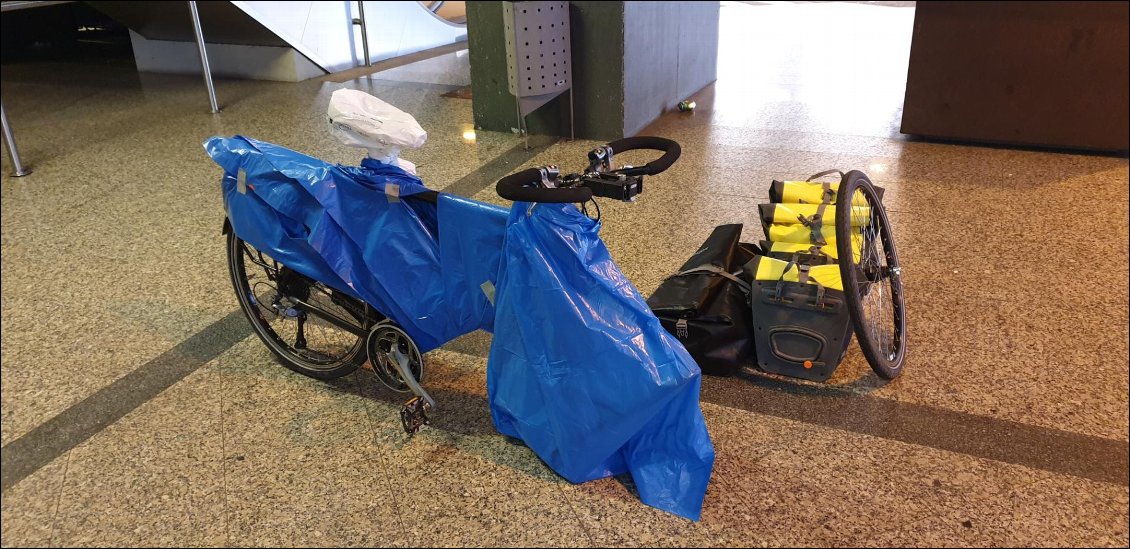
871, 274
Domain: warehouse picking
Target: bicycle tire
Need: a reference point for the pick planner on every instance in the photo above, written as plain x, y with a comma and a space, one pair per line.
874, 274
286, 354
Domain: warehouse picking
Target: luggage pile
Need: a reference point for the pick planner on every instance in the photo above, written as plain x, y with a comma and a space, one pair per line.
778, 305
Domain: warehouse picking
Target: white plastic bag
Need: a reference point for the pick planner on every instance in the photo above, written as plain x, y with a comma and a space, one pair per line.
361, 120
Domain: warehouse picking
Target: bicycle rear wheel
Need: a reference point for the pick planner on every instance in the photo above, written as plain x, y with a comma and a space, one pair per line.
871, 274
302, 341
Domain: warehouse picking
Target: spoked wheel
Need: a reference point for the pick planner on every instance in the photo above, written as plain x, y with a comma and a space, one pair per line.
871, 274
388, 343
302, 341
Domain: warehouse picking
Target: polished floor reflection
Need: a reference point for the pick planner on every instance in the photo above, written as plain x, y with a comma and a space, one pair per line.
138, 410
837, 68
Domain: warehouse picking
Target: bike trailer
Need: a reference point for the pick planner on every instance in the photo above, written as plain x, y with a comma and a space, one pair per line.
800, 312
705, 306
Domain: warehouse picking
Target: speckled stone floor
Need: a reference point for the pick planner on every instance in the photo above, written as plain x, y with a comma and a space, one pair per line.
1009, 426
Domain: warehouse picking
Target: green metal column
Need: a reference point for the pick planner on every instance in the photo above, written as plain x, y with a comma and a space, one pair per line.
597, 34
631, 62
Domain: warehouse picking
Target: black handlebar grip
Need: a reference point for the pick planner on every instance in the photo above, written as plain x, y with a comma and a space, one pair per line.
671, 152
514, 187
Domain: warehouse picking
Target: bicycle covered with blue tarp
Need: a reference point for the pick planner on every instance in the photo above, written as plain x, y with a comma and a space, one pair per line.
336, 266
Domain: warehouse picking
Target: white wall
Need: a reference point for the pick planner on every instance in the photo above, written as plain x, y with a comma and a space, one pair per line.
322, 38
255, 62
323, 31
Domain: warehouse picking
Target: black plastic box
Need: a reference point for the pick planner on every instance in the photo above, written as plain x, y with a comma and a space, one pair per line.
798, 332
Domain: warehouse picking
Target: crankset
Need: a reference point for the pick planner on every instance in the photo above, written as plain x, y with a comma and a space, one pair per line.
397, 362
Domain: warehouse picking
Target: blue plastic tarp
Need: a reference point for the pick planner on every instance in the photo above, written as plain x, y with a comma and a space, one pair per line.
347, 227
581, 370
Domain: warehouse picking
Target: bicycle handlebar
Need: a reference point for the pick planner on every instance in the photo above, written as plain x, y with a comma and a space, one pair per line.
514, 187
521, 186
671, 152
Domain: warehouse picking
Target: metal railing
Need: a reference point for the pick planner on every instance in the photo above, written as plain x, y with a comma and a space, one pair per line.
203, 56
360, 20
13, 152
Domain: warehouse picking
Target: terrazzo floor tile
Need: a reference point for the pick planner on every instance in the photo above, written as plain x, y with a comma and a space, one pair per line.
611, 511
153, 478
135, 244
439, 489
522, 499
808, 485
28, 509
41, 381
525, 499
299, 464
1057, 511
267, 407
310, 496
1005, 350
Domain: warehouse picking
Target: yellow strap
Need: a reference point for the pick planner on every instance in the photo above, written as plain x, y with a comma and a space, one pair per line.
808, 192
791, 213
796, 247
797, 233
774, 269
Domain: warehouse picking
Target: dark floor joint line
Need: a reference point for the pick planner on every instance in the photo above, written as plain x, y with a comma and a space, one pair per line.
505, 164
1054, 450
25, 455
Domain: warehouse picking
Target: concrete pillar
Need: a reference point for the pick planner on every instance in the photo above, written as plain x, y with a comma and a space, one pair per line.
631, 62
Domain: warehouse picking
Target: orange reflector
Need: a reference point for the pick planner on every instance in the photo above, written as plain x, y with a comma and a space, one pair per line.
807, 364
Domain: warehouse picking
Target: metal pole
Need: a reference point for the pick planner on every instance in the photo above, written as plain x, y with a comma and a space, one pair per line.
522, 124
364, 32
572, 132
203, 56
12, 151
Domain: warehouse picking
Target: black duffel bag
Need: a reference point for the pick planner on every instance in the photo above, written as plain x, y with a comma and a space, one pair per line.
706, 307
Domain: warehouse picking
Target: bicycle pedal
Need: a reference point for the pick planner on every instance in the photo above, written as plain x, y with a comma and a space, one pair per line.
414, 415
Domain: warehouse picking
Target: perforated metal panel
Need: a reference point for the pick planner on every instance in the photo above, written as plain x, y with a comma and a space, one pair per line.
538, 60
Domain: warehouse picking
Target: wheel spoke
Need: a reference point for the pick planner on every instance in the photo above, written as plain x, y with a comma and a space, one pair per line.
302, 338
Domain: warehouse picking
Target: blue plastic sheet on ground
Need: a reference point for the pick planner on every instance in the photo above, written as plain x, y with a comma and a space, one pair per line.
581, 370
347, 227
